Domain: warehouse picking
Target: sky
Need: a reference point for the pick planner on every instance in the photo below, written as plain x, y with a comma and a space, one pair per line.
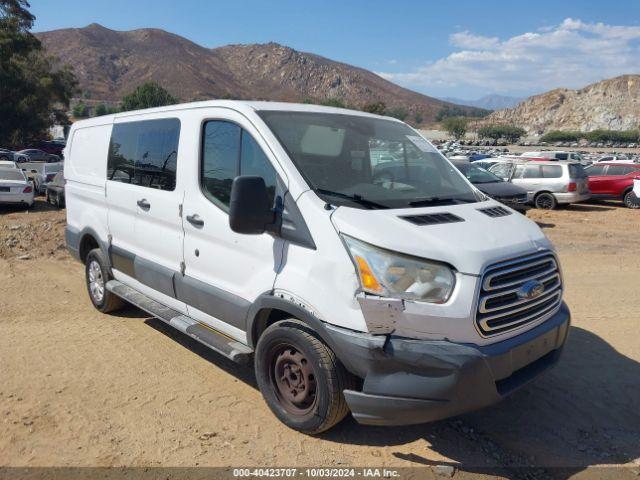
464, 48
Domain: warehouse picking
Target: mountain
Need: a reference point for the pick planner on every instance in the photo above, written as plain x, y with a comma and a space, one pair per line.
612, 104
488, 102
110, 64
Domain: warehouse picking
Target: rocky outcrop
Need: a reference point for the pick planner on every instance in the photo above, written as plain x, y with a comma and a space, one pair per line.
610, 104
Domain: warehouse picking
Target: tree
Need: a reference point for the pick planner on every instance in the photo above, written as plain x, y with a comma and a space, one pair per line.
147, 95
455, 126
378, 108
418, 118
509, 132
397, 112
80, 110
334, 102
34, 94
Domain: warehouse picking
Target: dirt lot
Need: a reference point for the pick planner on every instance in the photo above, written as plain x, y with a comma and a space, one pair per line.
78, 388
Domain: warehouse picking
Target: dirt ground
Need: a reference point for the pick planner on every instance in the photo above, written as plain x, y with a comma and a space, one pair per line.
78, 388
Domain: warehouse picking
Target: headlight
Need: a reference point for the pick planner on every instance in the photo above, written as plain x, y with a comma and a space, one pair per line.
390, 274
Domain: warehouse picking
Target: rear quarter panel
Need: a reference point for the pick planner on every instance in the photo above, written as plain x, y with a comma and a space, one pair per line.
85, 175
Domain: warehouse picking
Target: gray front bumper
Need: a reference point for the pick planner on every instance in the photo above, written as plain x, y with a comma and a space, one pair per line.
415, 381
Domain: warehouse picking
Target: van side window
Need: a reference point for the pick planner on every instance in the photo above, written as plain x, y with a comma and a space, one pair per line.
145, 153
229, 151
253, 161
220, 154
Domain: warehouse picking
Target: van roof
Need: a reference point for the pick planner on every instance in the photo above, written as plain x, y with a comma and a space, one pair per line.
238, 105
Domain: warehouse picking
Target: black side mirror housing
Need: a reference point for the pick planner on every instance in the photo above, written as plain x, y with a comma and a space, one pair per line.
250, 210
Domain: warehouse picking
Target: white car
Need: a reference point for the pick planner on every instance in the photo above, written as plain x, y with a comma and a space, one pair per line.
15, 188
8, 164
615, 159
395, 290
41, 173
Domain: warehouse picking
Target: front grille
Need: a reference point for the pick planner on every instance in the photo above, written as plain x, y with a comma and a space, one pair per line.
502, 305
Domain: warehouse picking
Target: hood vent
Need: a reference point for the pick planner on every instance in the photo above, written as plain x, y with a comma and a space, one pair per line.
433, 218
495, 211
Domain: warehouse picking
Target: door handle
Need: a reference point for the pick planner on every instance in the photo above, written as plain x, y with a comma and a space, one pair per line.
195, 220
143, 204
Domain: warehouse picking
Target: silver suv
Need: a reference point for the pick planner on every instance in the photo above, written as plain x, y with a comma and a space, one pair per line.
548, 184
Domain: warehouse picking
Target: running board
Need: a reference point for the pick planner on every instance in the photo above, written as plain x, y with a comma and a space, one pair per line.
217, 341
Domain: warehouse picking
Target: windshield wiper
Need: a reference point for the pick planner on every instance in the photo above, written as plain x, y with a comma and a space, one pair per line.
355, 198
425, 202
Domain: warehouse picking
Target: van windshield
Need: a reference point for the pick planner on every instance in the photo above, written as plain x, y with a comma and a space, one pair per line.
366, 162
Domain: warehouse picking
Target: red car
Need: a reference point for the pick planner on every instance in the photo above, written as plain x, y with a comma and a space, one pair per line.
614, 181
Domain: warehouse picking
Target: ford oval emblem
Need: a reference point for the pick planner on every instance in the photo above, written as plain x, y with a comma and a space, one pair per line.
531, 289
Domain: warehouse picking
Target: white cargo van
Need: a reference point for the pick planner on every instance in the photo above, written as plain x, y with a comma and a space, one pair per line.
385, 285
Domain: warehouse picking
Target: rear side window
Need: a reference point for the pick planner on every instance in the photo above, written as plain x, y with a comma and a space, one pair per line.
595, 171
531, 171
229, 151
562, 156
620, 169
145, 153
551, 171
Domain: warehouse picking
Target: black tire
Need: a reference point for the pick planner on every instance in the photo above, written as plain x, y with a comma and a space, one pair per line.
545, 201
321, 378
58, 201
49, 198
105, 302
630, 200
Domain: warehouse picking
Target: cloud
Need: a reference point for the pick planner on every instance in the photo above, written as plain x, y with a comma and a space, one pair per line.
571, 54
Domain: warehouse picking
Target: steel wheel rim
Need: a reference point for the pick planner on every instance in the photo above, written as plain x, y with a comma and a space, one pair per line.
293, 380
96, 281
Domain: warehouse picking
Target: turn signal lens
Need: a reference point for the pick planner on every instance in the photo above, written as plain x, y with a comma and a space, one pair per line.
367, 278
572, 187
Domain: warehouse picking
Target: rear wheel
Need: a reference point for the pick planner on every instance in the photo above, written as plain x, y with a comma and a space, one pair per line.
630, 200
546, 201
97, 275
300, 377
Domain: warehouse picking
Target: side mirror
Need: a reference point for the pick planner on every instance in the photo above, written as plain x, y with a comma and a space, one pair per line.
250, 210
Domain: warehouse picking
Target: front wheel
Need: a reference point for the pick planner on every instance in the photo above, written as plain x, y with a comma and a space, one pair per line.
630, 200
546, 201
300, 377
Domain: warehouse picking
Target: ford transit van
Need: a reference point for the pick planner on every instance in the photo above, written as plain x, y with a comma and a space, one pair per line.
338, 251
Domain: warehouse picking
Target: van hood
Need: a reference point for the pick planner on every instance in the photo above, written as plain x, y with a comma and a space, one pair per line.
469, 245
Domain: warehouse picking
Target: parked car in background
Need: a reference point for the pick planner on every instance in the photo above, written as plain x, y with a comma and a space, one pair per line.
36, 155
548, 184
504, 192
15, 188
51, 147
556, 155
614, 181
54, 190
11, 156
615, 159
41, 173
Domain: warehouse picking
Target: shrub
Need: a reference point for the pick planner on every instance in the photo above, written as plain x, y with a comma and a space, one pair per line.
509, 132
397, 112
455, 126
